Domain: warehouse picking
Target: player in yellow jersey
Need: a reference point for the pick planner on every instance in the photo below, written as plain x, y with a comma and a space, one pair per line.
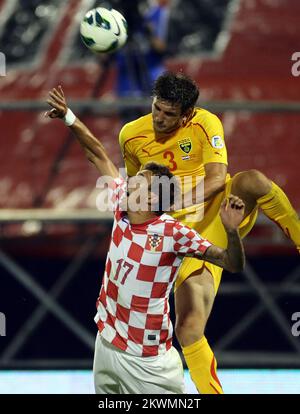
190, 141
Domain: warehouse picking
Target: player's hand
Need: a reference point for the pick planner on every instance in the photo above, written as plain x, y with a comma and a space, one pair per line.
58, 103
232, 212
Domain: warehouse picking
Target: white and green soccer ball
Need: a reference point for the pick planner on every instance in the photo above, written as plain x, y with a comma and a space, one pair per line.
103, 30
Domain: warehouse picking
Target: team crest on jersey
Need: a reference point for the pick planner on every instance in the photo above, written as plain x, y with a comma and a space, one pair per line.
185, 145
217, 142
154, 243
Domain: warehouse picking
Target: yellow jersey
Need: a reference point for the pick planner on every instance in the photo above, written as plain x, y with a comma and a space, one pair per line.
186, 151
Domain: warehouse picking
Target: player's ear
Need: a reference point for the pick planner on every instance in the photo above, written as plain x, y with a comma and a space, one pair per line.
187, 116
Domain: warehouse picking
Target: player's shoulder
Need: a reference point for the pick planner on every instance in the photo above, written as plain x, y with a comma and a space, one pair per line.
165, 217
164, 225
208, 123
173, 223
140, 127
204, 117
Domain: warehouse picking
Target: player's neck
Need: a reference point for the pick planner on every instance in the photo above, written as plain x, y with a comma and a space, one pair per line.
162, 136
140, 217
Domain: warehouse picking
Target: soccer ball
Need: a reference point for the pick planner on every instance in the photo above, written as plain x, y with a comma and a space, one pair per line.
103, 30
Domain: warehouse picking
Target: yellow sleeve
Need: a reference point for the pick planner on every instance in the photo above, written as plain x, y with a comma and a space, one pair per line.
131, 161
214, 149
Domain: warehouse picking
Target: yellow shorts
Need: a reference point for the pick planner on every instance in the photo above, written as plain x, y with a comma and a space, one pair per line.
215, 233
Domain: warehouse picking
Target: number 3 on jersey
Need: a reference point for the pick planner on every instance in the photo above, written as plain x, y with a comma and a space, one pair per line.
169, 155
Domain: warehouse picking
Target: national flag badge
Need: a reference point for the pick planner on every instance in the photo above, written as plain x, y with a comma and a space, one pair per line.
154, 243
185, 145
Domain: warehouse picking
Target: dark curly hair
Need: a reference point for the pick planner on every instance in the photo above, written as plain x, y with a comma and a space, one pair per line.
167, 188
177, 88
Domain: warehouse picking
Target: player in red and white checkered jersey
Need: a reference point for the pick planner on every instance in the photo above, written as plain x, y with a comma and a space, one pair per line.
141, 267
134, 352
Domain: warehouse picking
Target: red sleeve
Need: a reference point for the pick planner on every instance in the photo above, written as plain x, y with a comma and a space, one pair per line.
187, 242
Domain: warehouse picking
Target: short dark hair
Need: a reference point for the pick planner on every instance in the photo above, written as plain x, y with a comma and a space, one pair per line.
177, 88
164, 186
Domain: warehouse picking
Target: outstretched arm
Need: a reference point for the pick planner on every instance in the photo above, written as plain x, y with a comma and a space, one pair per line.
233, 258
92, 147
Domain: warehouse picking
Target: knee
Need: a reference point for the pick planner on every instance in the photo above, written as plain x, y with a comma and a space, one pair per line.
255, 183
189, 328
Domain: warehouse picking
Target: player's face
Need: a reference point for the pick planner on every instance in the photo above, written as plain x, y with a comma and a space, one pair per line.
139, 187
166, 116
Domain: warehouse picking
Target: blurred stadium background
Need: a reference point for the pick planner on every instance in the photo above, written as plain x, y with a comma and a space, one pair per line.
53, 241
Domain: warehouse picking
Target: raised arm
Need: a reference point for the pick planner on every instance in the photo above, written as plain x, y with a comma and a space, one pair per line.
92, 147
232, 258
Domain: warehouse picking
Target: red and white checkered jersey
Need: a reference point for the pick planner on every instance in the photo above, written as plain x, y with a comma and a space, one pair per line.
141, 267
